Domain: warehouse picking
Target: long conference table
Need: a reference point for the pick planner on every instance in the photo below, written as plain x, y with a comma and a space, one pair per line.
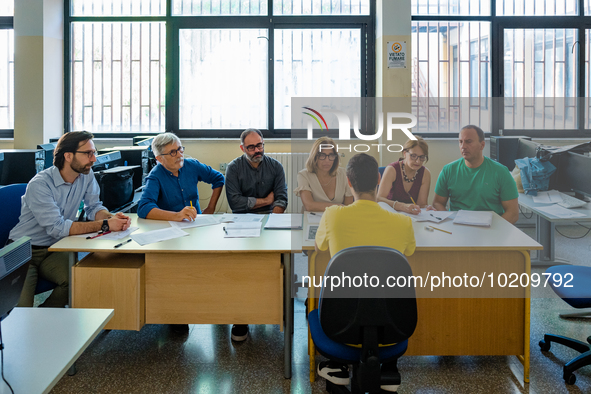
202, 278
462, 321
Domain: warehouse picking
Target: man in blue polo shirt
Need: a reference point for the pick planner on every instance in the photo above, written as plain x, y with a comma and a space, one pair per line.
171, 188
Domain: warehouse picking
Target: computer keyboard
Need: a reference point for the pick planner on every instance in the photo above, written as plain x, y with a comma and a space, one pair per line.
570, 202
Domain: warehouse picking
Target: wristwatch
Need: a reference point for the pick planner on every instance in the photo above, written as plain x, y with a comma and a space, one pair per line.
105, 226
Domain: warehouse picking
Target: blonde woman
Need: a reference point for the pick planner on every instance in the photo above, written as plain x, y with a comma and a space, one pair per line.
405, 183
323, 183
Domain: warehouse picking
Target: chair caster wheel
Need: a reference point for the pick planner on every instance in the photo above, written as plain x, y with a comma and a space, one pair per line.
544, 346
570, 379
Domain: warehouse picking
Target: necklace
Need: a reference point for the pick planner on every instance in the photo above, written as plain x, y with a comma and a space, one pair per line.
327, 183
404, 174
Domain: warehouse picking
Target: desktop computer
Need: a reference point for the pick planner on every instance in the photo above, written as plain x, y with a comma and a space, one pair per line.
107, 160
134, 156
14, 260
45, 155
504, 149
19, 166
142, 140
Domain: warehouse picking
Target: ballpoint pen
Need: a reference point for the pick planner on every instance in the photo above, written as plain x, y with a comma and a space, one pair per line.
435, 217
122, 243
226, 231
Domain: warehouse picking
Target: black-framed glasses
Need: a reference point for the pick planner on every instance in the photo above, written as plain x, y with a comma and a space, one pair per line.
88, 153
331, 156
174, 152
251, 148
415, 157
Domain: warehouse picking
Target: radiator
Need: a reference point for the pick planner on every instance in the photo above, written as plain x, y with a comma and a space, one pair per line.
292, 163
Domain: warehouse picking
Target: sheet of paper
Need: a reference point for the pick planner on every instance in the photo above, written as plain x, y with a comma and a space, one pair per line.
314, 217
284, 221
423, 216
163, 234
549, 197
242, 230
112, 235
118, 169
311, 232
248, 217
561, 212
200, 221
474, 218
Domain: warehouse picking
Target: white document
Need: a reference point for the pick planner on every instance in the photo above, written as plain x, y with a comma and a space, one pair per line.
163, 234
112, 235
200, 221
245, 217
549, 197
424, 216
314, 217
242, 230
284, 221
560, 212
311, 232
474, 218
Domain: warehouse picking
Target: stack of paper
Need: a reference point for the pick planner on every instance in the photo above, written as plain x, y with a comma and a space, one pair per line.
200, 221
112, 235
314, 217
474, 218
158, 235
284, 221
549, 197
560, 212
248, 217
242, 230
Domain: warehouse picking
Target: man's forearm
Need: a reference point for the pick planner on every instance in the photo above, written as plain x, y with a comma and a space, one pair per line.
161, 214
439, 207
101, 215
215, 195
261, 202
86, 227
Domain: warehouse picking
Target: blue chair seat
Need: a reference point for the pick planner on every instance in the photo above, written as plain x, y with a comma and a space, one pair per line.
577, 296
345, 353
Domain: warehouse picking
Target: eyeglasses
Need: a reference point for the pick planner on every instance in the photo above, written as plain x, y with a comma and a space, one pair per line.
89, 153
251, 148
331, 156
421, 158
174, 152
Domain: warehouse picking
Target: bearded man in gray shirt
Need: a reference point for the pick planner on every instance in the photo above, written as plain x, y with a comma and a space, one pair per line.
48, 214
255, 183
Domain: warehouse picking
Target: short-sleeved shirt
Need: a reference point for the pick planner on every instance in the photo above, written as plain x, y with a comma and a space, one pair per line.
172, 193
309, 181
364, 223
476, 189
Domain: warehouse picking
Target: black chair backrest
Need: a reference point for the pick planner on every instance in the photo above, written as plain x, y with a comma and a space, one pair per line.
346, 309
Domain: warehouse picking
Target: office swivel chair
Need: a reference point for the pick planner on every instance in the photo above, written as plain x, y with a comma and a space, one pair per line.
366, 316
381, 170
577, 296
11, 209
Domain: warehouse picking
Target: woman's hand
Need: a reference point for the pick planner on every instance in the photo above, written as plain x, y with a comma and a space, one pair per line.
412, 209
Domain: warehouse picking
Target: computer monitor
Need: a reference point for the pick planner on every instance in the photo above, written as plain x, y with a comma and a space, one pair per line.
526, 148
20, 166
45, 155
134, 156
107, 160
573, 174
14, 260
143, 140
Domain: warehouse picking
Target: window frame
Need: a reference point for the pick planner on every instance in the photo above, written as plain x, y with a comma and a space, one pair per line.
366, 24
498, 24
7, 23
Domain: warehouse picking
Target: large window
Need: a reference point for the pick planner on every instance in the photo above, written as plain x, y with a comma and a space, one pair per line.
211, 67
539, 51
6, 69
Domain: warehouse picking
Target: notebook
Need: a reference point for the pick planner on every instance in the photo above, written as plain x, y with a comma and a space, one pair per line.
474, 218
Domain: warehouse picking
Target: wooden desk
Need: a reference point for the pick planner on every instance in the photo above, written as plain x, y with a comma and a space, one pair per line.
204, 278
464, 321
42, 343
545, 228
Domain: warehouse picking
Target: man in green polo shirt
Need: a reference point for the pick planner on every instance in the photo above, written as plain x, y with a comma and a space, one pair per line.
475, 182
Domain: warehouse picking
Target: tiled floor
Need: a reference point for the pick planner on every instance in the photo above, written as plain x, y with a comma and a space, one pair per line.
156, 360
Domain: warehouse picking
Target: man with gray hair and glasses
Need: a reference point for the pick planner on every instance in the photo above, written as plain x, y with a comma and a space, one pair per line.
255, 183
171, 187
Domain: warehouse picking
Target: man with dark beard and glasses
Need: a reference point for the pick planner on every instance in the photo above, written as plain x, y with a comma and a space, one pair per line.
48, 214
255, 183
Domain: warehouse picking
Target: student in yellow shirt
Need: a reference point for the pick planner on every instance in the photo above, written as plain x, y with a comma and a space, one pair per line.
363, 223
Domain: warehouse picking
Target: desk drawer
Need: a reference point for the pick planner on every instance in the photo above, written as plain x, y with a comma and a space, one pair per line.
112, 280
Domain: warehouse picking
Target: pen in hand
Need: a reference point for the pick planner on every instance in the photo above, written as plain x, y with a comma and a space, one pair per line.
122, 243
